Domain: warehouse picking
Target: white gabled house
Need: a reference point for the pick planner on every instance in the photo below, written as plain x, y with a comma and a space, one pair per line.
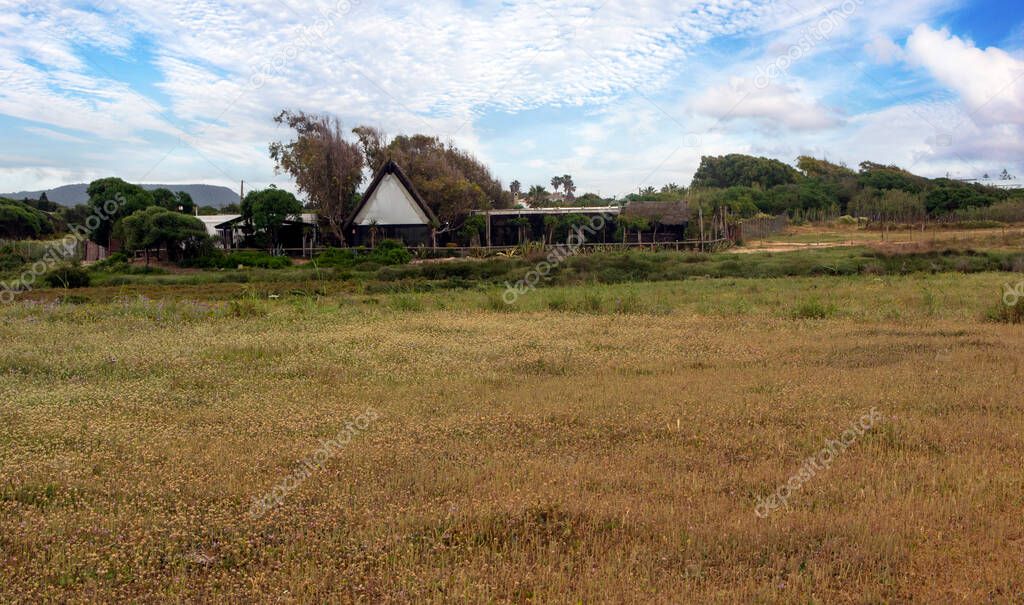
391, 209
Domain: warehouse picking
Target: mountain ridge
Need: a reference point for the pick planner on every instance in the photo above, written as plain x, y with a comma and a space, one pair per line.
71, 195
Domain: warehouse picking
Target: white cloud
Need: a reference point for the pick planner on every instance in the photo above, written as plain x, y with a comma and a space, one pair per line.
883, 50
990, 81
624, 74
774, 105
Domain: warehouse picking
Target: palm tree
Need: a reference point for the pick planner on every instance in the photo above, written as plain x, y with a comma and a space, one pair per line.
522, 223
556, 182
537, 194
373, 232
515, 187
569, 186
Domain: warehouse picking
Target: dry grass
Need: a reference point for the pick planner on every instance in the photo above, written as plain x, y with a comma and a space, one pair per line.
538, 456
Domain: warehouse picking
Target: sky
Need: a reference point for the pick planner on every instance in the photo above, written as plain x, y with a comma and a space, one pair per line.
620, 94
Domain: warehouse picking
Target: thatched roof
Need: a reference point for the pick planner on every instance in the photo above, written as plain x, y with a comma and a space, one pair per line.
664, 213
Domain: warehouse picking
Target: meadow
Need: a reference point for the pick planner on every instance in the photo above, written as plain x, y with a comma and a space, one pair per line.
594, 442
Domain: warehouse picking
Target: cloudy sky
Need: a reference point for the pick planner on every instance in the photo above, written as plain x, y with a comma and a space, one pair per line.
619, 93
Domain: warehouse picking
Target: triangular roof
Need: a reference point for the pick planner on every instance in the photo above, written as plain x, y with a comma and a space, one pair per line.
391, 168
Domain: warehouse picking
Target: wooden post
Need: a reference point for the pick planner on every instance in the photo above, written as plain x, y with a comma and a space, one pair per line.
488, 228
700, 214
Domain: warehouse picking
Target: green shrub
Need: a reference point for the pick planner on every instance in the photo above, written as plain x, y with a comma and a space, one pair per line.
387, 253
68, 276
335, 257
1007, 313
813, 309
246, 308
392, 256
113, 263
260, 260
405, 302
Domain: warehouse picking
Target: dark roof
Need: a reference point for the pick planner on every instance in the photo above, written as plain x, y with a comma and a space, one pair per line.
391, 168
291, 220
665, 213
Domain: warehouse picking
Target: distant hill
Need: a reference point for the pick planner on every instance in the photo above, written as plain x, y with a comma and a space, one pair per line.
71, 195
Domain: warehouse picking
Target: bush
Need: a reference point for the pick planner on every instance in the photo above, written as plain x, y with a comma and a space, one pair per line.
1008, 313
813, 309
391, 256
336, 257
387, 253
68, 276
260, 260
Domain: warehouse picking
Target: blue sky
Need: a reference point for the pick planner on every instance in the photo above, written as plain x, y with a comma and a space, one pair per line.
619, 94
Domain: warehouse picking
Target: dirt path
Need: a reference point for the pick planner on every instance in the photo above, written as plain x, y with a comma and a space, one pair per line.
790, 246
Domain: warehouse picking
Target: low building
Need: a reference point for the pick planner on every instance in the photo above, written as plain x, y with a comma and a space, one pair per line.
667, 221
298, 236
511, 227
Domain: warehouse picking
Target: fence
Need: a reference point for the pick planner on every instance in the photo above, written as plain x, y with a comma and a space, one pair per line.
709, 245
761, 228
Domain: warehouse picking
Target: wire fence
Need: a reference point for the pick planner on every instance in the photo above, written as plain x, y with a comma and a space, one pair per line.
762, 228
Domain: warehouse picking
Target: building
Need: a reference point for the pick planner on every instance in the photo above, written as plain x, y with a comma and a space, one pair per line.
514, 226
299, 235
1011, 183
392, 209
666, 221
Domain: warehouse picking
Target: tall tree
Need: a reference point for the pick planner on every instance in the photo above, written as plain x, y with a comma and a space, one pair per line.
157, 227
737, 170
327, 167
537, 195
556, 183
515, 188
268, 209
569, 186
451, 181
110, 200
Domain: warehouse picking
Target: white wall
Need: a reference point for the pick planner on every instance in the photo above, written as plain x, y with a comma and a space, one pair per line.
391, 204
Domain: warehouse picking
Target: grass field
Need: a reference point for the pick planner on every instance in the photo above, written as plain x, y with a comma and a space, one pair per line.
594, 443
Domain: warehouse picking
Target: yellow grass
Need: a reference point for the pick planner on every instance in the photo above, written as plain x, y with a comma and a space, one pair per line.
535, 456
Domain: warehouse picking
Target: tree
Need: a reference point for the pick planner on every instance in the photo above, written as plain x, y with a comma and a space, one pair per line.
1004, 176
879, 176
110, 200
569, 186
21, 221
515, 188
737, 170
327, 168
556, 183
472, 228
550, 224
156, 227
267, 210
537, 195
451, 181
522, 224
185, 203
